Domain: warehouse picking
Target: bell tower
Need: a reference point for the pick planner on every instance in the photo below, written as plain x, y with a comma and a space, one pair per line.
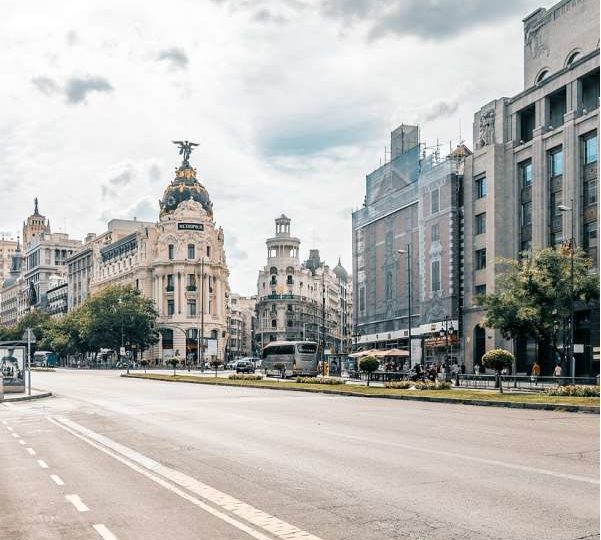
35, 225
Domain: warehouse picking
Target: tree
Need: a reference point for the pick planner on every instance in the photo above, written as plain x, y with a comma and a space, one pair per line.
369, 364
39, 322
533, 295
64, 336
498, 359
117, 315
174, 360
215, 363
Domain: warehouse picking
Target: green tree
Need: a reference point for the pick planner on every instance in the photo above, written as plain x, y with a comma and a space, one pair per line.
144, 364
369, 364
64, 336
39, 322
174, 360
119, 311
533, 295
498, 359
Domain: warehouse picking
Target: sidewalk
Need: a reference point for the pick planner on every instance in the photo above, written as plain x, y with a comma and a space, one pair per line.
36, 393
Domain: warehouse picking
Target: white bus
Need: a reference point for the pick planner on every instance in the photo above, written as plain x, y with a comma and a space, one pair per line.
298, 358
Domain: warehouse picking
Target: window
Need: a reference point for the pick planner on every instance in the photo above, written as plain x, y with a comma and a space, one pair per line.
191, 308
171, 250
589, 148
289, 280
481, 188
557, 108
191, 251
434, 201
208, 251
435, 234
526, 123
589, 89
362, 299
435, 276
480, 290
526, 217
590, 239
525, 246
274, 280
590, 192
480, 223
170, 307
170, 282
274, 323
388, 285
191, 282
555, 162
480, 257
525, 171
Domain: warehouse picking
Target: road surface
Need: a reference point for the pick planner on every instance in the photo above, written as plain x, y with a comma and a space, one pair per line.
113, 458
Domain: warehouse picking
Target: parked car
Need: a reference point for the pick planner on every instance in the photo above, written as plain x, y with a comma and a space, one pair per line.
245, 366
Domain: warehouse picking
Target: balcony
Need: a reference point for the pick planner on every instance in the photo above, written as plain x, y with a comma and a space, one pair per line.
191, 288
169, 288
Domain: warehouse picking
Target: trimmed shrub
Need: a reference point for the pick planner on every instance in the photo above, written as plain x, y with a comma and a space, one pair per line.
498, 359
245, 377
399, 385
316, 380
427, 385
369, 364
574, 390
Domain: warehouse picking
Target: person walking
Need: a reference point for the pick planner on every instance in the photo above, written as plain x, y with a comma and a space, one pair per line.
535, 371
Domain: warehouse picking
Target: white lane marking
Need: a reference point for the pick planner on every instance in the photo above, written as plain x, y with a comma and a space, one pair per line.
57, 479
104, 532
15, 435
143, 465
21, 441
31, 451
9, 428
4, 422
77, 502
42, 464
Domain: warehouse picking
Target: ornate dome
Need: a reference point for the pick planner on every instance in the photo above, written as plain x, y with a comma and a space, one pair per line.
340, 271
184, 187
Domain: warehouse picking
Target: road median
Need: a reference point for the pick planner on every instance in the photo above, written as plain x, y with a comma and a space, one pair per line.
455, 396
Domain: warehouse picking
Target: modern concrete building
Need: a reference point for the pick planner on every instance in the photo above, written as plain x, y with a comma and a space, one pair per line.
297, 301
534, 152
407, 250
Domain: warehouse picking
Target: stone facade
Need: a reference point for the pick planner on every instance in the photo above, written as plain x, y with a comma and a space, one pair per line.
308, 301
242, 325
7, 248
179, 262
534, 152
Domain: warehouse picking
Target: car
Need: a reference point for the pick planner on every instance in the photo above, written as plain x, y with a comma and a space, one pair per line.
245, 366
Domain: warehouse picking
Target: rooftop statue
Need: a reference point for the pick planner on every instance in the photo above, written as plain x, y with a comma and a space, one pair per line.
185, 149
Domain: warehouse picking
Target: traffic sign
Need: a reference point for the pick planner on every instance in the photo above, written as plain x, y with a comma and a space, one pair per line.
122, 351
31, 336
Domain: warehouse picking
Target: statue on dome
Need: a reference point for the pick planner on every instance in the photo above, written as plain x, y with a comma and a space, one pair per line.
185, 149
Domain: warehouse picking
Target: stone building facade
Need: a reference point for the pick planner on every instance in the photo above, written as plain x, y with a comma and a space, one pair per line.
302, 301
242, 326
7, 248
179, 262
533, 153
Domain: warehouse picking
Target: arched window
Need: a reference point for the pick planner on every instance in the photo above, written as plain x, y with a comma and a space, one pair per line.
290, 270
273, 270
274, 280
289, 280
542, 75
572, 57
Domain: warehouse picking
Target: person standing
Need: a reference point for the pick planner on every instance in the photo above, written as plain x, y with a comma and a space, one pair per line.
557, 371
535, 371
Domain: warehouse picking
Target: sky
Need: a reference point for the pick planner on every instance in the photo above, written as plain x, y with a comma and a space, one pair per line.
291, 101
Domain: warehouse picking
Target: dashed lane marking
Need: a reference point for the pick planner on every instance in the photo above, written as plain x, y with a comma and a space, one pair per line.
15, 435
9, 428
104, 532
57, 479
21, 441
42, 464
77, 502
4, 422
31, 451
167, 477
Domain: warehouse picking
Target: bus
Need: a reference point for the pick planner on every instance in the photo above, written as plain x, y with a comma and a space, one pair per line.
44, 359
298, 358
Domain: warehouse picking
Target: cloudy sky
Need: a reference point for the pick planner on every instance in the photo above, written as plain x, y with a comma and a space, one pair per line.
292, 102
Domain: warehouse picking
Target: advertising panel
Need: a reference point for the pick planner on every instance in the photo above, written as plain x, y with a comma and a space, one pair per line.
12, 365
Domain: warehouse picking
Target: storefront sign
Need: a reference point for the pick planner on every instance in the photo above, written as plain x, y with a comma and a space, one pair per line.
433, 342
190, 227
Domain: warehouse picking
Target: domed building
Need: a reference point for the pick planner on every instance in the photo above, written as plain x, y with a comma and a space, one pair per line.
179, 262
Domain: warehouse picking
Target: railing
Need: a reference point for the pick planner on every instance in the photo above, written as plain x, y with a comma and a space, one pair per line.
169, 288
191, 288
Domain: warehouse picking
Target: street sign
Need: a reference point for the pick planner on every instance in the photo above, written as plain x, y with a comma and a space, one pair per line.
31, 336
578, 347
122, 351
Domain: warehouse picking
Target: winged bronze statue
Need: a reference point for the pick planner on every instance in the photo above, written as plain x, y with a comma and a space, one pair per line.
185, 149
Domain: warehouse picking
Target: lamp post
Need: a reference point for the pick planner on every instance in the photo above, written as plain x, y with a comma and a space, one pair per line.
408, 253
201, 332
563, 208
121, 352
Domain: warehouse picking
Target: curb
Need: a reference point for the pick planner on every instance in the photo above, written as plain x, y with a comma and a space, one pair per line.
26, 398
460, 401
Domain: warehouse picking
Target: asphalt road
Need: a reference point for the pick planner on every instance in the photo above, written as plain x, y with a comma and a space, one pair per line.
132, 459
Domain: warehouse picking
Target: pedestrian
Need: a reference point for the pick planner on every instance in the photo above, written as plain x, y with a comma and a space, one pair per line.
463, 369
477, 369
535, 371
557, 371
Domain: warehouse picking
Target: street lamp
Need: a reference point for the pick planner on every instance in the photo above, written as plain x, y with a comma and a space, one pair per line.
563, 208
408, 253
121, 351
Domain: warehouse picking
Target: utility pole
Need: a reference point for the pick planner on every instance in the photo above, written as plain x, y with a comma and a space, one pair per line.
563, 208
408, 253
202, 315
